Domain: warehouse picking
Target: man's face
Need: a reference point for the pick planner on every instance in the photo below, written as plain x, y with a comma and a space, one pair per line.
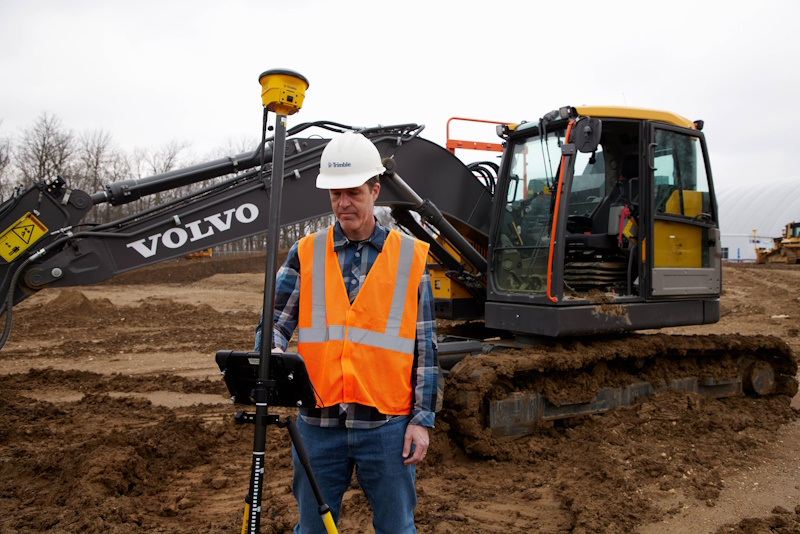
353, 209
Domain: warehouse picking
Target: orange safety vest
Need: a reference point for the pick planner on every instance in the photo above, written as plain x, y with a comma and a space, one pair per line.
360, 352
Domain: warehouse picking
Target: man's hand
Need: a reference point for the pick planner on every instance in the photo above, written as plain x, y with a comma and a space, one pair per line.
418, 436
277, 349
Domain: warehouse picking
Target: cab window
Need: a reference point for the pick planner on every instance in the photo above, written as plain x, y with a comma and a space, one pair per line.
680, 180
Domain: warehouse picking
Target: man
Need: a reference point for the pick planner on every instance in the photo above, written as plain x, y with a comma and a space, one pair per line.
362, 299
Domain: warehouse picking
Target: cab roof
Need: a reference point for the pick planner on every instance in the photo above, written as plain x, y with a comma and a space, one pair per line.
621, 112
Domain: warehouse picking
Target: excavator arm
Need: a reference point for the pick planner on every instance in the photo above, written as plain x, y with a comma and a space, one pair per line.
64, 250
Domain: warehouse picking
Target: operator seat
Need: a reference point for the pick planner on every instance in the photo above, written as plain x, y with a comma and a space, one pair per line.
624, 191
629, 179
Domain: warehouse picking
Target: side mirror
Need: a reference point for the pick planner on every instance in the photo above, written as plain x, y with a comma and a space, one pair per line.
587, 134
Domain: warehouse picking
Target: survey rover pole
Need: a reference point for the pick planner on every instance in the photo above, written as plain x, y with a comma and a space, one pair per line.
282, 92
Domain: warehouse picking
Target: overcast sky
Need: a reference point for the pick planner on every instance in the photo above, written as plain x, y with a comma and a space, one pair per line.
150, 72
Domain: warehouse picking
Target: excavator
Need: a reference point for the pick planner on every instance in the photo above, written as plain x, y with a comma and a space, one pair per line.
552, 267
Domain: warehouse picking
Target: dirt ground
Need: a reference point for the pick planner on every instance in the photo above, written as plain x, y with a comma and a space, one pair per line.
114, 419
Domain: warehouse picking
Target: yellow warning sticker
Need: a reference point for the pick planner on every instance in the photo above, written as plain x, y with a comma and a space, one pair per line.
20, 236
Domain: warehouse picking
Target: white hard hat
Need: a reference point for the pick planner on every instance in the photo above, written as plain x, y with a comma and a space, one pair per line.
349, 160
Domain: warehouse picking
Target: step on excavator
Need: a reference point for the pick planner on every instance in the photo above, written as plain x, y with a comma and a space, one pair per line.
595, 223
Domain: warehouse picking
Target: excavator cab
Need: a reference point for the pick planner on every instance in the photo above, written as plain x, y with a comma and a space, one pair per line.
619, 233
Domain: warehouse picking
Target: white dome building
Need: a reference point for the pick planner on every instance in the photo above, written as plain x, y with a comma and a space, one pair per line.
765, 208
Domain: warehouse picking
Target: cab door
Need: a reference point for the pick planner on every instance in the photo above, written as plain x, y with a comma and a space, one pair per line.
684, 254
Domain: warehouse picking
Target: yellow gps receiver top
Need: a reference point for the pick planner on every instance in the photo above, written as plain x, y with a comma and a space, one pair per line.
282, 90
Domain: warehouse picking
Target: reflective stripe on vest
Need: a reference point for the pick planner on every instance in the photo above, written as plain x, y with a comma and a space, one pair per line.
361, 351
390, 340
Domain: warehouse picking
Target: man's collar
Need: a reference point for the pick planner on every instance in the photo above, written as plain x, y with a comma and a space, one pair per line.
377, 239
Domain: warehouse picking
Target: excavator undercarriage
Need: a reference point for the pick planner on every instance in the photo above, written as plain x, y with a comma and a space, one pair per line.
509, 389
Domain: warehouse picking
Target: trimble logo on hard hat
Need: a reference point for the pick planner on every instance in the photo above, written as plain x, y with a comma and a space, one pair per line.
338, 164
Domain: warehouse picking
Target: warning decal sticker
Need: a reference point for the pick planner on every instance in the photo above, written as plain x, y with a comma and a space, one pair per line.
20, 235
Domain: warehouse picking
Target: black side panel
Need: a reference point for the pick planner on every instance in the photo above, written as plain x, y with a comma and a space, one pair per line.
560, 321
710, 311
225, 216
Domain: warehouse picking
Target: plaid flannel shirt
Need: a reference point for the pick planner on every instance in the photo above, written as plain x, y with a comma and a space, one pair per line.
355, 260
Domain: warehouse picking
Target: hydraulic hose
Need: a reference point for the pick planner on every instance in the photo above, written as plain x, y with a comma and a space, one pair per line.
8, 305
127, 191
554, 226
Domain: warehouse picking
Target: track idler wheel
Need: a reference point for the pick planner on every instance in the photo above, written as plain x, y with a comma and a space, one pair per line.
759, 378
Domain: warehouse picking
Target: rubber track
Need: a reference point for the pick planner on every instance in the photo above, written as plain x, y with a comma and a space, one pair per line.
569, 370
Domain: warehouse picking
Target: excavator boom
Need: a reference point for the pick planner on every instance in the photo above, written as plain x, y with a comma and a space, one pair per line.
72, 252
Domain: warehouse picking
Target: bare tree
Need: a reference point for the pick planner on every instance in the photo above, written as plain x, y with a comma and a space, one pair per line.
148, 162
44, 150
98, 162
233, 147
160, 160
6, 180
93, 153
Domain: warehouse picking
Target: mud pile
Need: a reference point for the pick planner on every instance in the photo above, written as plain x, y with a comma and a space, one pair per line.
123, 464
80, 326
182, 271
105, 463
83, 450
781, 521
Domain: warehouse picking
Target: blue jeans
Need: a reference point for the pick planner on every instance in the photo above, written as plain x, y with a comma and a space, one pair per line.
377, 455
